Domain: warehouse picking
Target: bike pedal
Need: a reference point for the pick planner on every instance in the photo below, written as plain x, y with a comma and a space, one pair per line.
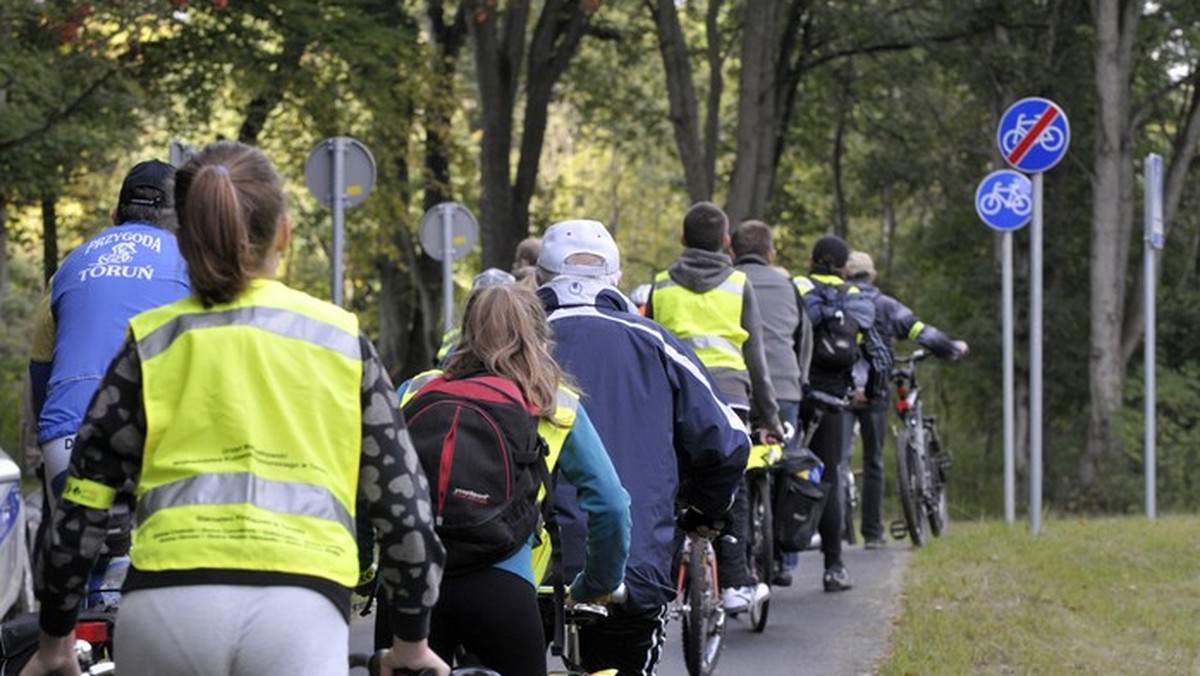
898, 529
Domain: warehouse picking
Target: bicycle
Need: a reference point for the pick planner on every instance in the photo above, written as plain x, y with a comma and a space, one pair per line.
760, 544
575, 616
921, 464
698, 605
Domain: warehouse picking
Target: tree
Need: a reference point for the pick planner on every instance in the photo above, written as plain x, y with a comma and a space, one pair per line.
498, 32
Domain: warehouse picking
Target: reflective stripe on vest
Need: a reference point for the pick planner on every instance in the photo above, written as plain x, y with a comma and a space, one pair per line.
254, 434
709, 322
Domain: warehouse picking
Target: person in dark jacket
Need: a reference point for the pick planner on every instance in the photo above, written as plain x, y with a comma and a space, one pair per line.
661, 420
826, 265
711, 306
893, 321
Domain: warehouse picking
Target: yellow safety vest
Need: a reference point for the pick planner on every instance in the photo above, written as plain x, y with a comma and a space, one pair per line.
710, 322
254, 435
554, 432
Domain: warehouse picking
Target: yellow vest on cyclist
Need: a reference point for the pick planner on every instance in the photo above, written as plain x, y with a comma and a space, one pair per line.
553, 431
254, 435
710, 322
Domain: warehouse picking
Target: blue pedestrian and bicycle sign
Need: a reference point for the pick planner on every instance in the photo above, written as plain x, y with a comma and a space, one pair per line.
1004, 200
1033, 135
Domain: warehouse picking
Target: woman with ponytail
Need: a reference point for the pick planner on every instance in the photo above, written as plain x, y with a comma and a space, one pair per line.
245, 419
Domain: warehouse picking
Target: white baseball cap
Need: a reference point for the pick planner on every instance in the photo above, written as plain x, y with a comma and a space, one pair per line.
567, 238
492, 277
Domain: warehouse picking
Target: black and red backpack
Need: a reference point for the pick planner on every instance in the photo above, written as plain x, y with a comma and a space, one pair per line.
480, 449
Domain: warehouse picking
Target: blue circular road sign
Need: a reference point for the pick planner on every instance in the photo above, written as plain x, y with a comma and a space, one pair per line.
1033, 135
1004, 200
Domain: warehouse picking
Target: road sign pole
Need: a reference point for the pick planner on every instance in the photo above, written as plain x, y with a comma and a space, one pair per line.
447, 267
1010, 511
1035, 361
339, 206
1152, 197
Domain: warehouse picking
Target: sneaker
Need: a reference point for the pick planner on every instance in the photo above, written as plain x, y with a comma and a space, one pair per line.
781, 579
837, 579
875, 543
737, 599
761, 592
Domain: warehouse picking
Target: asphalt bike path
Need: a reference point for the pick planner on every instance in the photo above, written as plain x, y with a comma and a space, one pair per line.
808, 631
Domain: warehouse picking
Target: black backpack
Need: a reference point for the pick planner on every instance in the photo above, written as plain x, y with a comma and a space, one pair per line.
479, 446
835, 333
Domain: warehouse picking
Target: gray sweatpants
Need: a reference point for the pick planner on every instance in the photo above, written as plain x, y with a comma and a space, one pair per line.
230, 630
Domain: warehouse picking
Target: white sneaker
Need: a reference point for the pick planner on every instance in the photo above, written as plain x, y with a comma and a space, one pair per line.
761, 592
737, 599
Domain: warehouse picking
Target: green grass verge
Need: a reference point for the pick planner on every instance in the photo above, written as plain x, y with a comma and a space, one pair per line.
1105, 596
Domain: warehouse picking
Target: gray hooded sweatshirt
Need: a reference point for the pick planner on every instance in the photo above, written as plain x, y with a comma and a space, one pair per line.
702, 271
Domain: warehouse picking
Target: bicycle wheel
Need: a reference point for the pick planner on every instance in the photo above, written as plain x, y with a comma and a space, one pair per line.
849, 504
703, 618
936, 505
911, 473
760, 548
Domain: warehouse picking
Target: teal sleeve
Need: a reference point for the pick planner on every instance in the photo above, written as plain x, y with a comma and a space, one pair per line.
585, 463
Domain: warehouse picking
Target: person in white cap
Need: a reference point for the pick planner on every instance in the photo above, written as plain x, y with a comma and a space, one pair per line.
893, 321
660, 418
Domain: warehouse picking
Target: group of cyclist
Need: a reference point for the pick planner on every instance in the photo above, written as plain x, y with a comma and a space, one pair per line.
248, 422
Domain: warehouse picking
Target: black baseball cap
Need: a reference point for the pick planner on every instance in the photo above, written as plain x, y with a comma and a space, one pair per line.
830, 252
148, 184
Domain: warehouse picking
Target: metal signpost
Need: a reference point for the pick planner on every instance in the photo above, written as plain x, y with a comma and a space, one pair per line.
1033, 136
1004, 201
1152, 181
448, 231
339, 173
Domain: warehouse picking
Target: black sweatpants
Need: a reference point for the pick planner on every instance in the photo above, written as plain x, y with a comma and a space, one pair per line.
492, 616
828, 443
629, 641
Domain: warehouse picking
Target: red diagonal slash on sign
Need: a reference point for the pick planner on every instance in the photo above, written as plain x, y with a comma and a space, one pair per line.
1026, 143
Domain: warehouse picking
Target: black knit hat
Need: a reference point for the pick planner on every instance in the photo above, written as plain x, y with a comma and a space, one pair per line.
830, 253
148, 184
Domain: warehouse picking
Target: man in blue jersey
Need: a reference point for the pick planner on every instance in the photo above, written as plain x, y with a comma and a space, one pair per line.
664, 425
132, 266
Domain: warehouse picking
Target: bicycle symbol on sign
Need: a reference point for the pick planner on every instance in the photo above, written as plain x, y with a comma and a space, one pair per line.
1012, 197
1051, 138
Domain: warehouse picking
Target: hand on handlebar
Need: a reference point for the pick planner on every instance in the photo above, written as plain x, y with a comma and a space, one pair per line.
411, 657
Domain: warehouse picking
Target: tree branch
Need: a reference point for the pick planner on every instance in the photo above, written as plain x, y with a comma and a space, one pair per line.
54, 119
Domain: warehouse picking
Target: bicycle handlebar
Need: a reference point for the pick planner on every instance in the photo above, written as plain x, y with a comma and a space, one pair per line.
826, 401
913, 358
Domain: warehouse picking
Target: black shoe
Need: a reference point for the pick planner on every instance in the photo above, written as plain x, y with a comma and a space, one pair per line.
782, 579
837, 579
875, 543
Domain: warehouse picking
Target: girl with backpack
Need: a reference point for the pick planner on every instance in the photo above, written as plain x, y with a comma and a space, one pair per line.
488, 430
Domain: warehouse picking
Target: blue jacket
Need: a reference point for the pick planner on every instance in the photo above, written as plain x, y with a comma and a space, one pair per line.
102, 284
895, 321
660, 418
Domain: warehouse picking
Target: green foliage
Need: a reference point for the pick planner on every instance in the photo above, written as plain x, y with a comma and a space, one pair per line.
904, 95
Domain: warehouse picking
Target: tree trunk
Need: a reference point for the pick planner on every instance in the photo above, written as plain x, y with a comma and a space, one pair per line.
1116, 23
499, 37
498, 65
681, 98
49, 238
1184, 150
265, 102
761, 87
